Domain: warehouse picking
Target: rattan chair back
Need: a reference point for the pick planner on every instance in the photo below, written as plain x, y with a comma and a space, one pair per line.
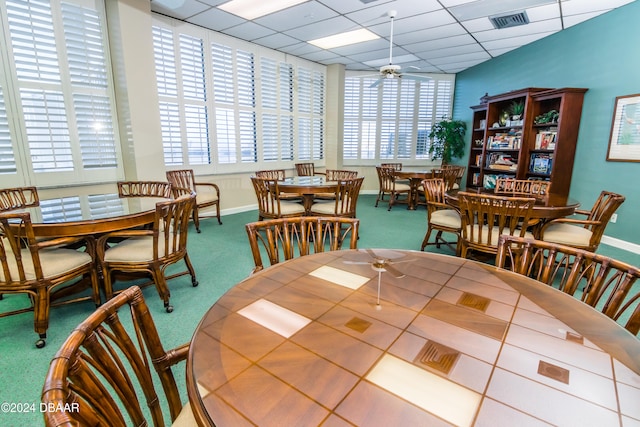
285, 238
18, 198
109, 369
485, 217
144, 189
305, 169
278, 174
602, 282
337, 175
394, 166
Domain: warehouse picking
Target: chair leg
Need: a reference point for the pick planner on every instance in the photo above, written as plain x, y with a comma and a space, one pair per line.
218, 213
378, 198
41, 307
192, 271
426, 238
392, 200
196, 219
162, 288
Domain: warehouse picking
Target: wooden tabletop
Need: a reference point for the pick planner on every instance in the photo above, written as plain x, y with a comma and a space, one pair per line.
91, 214
453, 342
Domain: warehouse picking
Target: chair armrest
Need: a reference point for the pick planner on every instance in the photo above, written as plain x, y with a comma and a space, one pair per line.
440, 206
582, 212
211, 186
567, 221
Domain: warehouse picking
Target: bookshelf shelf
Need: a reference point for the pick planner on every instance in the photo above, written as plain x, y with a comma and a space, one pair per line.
526, 149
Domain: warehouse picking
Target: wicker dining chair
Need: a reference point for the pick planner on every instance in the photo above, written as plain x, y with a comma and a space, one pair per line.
18, 198
486, 217
584, 233
448, 175
144, 189
151, 251
279, 175
43, 269
388, 185
460, 170
286, 238
602, 282
270, 204
440, 216
109, 370
305, 169
207, 193
344, 202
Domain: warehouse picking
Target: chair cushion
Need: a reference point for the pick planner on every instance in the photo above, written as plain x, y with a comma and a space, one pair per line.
446, 218
567, 234
324, 208
402, 187
495, 234
185, 417
54, 262
204, 197
290, 208
134, 249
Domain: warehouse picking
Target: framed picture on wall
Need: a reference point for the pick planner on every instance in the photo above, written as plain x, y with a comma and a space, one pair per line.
624, 141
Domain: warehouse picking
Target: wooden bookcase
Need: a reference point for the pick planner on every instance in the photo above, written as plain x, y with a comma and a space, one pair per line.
528, 148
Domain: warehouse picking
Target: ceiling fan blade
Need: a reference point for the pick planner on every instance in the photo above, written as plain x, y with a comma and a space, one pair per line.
356, 262
376, 83
372, 254
414, 77
393, 271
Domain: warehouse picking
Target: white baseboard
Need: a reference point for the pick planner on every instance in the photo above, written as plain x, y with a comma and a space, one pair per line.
621, 244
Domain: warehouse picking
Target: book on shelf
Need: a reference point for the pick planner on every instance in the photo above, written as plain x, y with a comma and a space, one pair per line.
501, 161
546, 140
475, 179
478, 160
541, 163
506, 141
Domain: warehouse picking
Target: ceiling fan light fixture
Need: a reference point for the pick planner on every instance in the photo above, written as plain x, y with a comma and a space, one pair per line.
344, 39
252, 9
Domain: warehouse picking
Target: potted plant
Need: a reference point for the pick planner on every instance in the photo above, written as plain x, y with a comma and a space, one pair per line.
447, 139
516, 110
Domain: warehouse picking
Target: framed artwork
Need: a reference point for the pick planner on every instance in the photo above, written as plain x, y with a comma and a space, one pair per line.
624, 141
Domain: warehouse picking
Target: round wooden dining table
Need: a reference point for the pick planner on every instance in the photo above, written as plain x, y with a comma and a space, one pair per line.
307, 187
415, 178
551, 208
91, 214
336, 339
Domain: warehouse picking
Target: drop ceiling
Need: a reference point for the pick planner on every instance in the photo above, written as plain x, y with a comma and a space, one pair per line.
430, 36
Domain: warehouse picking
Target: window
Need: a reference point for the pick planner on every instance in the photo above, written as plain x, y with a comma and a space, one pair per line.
249, 109
392, 120
56, 92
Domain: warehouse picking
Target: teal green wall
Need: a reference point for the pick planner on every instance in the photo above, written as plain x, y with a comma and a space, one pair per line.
603, 55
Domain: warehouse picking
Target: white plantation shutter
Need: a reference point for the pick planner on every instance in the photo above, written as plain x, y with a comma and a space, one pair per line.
262, 111
171, 134
61, 93
7, 157
47, 130
393, 120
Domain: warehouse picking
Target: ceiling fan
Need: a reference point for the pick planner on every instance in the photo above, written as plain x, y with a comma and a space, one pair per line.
382, 261
391, 70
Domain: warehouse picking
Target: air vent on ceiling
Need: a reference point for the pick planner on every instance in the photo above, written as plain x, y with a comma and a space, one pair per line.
367, 1
511, 20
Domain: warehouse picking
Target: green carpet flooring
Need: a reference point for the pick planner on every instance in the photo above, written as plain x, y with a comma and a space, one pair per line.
222, 258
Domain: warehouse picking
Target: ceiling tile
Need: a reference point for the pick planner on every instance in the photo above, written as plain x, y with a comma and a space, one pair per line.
425, 28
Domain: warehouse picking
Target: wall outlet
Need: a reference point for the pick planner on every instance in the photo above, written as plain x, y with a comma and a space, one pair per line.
614, 218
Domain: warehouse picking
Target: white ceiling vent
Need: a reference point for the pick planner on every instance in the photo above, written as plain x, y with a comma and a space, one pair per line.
510, 20
367, 1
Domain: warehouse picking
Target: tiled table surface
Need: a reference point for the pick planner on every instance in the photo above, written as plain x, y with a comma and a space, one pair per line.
452, 343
